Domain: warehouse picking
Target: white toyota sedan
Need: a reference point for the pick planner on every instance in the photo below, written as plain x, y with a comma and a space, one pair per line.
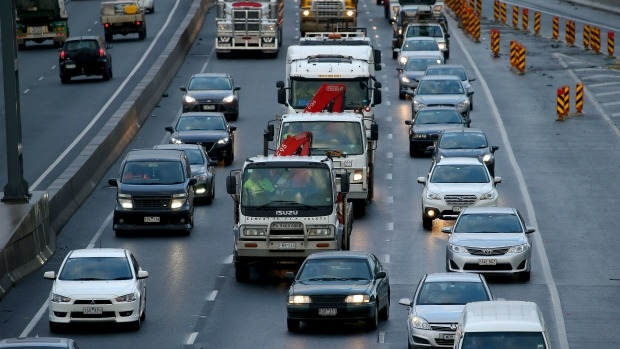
97, 285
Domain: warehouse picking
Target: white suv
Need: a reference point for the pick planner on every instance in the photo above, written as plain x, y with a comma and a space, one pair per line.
453, 184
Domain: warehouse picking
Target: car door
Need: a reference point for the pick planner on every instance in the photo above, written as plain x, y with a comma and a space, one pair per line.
382, 286
141, 282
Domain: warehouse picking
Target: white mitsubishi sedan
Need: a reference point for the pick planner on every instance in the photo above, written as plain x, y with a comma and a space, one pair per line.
97, 285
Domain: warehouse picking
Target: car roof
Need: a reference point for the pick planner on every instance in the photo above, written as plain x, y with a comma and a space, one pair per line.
458, 160
82, 37
98, 252
154, 154
181, 146
422, 38
440, 77
210, 75
447, 66
464, 130
202, 113
339, 254
502, 315
496, 209
44, 342
458, 277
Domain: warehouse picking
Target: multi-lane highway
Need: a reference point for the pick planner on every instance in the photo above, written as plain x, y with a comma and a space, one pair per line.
561, 175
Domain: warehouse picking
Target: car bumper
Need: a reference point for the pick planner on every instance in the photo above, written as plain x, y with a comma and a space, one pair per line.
227, 109
203, 189
430, 338
344, 312
421, 145
501, 264
73, 313
70, 69
441, 209
145, 221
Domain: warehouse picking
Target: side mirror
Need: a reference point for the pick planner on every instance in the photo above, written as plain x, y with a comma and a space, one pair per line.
237, 88
113, 182
183, 88
494, 148
269, 132
193, 181
376, 95
344, 183
374, 132
231, 184
169, 129
446, 230
380, 275
143, 274
282, 96
280, 84
233, 128
422, 180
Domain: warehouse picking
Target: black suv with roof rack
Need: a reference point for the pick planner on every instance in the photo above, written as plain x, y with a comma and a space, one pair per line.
155, 191
84, 55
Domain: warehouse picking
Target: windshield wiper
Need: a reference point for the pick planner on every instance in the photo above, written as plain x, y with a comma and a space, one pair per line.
285, 202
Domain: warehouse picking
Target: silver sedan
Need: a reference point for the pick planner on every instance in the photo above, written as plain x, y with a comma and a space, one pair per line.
444, 90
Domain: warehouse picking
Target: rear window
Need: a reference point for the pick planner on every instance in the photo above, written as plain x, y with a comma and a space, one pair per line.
81, 44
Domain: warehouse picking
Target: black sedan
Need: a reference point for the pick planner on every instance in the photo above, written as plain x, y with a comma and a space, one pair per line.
339, 285
84, 55
209, 129
212, 92
469, 142
427, 123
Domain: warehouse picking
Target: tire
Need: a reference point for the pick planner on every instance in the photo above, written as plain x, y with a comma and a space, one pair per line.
235, 116
524, 276
55, 327
384, 314
359, 208
143, 315
209, 200
346, 241
65, 79
427, 223
412, 151
108, 37
242, 273
394, 54
293, 325
228, 159
21, 46
402, 95
379, 2
106, 75
135, 326
371, 182
142, 34
120, 233
471, 103
373, 322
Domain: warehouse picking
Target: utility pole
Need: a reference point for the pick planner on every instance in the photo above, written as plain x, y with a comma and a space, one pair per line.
16, 190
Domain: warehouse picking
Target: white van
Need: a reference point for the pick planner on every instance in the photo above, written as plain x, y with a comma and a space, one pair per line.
501, 324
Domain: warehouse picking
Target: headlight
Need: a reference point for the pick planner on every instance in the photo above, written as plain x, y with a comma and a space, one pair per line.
189, 99
437, 8
486, 158
358, 175
463, 105
223, 140
130, 297
419, 322
357, 298
519, 248
457, 249
400, 31
201, 176
226, 27
269, 27
125, 201
489, 196
56, 298
432, 196
402, 60
305, 13
350, 13
442, 45
417, 105
178, 200
175, 140
254, 232
228, 99
405, 80
298, 299
319, 232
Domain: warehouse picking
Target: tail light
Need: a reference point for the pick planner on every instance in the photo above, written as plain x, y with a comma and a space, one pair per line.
138, 23
101, 52
62, 54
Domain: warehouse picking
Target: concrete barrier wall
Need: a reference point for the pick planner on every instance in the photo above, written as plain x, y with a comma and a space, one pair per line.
34, 238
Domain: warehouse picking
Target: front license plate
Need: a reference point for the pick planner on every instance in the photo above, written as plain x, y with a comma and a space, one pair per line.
93, 310
447, 336
70, 66
457, 208
487, 261
287, 245
151, 219
328, 311
208, 107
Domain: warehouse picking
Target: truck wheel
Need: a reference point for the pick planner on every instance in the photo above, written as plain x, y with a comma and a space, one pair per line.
359, 208
427, 223
142, 34
108, 37
55, 327
371, 182
346, 241
242, 273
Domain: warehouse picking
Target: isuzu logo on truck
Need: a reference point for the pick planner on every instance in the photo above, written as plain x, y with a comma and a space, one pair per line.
287, 213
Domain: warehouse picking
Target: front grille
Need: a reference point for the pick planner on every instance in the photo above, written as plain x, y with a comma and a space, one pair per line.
498, 267
151, 202
328, 8
209, 101
80, 315
447, 342
441, 105
488, 251
460, 200
246, 20
442, 327
92, 301
287, 232
328, 299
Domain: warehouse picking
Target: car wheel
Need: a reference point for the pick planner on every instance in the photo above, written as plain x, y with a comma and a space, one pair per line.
65, 79
373, 322
402, 94
55, 327
394, 54
293, 325
379, 2
524, 276
220, 55
120, 233
384, 314
106, 75
242, 272
427, 223
143, 315
234, 116
471, 103
209, 199
228, 159
412, 151
135, 326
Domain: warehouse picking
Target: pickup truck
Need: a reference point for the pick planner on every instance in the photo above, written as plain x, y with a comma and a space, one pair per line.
122, 17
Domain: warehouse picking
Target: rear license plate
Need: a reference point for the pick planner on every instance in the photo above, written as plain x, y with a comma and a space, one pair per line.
151, 219
328, 311
287, 245
487, 261
93, 310
70, 66
37, 30
208, 107
447, 336
457, 208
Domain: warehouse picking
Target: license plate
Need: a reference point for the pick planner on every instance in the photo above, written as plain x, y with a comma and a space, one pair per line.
457, 208
487, 261
151, 219
37, 30
328, 311
70, 66
208, 107
287, 245
93, 310
447, 336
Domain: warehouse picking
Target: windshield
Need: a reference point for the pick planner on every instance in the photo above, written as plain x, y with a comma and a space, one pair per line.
512, 340
463, 141
459, 174
433, 116
450, 292
302, 91
421, 30
338, 269
488, 223
448, 71
329, 135
446, 87
420, 64
152, 172
195, 123
96, 268
298, 186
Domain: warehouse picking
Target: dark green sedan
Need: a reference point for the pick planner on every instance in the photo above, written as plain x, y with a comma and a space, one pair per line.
347, 286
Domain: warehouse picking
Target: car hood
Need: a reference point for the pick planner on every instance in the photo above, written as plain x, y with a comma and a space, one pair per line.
460, 188
206, 94
93, 289
154, 189
488, 240
335, 287
411, 74
440, 99
440, 313
195, 136
432, 128
470, 153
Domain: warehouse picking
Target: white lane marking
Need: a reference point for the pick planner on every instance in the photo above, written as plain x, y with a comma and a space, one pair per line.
42, 309
192, 338
531, 213
390, 199
228, 260
26, 91
386, 259
381, 336
41, 78
212, 296
610, 93
389, 155
107, 221
390, 226
107, 104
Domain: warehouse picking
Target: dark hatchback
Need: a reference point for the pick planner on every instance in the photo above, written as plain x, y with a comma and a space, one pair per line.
428, 123
154, 192
209, 129
212, 92
467, 142
84, 55
339, 285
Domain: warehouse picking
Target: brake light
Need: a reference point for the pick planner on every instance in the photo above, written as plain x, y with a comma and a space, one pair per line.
62, 54
138, 23
101, 52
